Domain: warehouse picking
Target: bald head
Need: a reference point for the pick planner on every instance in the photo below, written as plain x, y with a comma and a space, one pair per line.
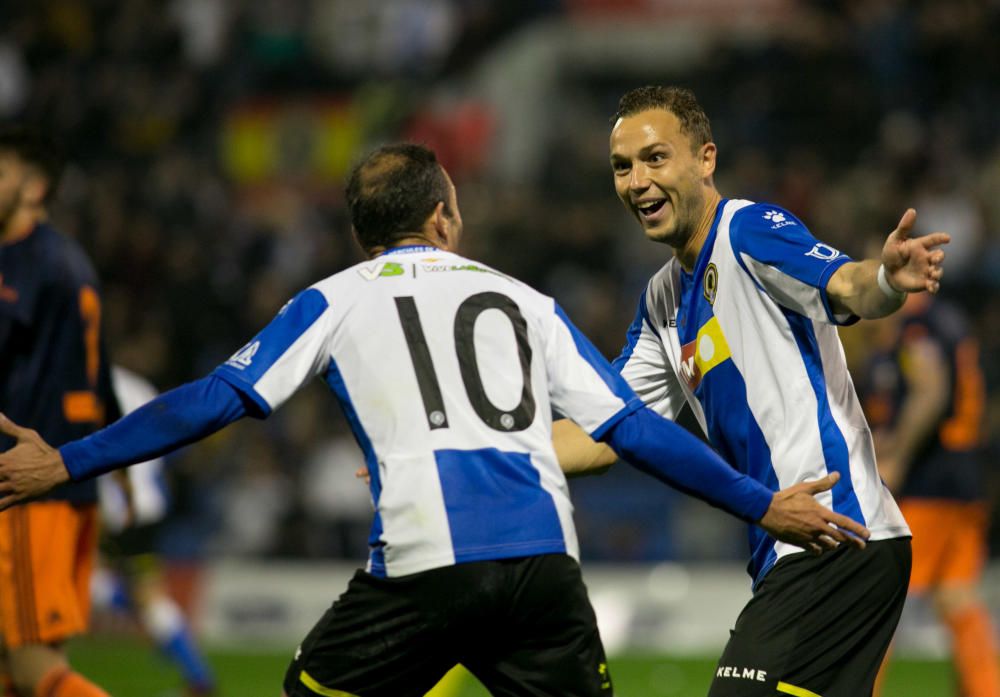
393, 191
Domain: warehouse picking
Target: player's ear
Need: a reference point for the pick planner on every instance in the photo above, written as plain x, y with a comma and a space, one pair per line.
706, 158
441, 226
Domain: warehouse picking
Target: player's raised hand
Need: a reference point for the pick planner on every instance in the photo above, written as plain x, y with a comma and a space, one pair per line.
797, 518
30, 468
913, 264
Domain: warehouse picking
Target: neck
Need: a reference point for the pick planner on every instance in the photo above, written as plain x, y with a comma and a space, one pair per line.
20, 225
406, 242
688, 254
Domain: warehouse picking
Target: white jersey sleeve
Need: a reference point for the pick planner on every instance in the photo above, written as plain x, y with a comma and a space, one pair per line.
786, 261
583, 385
644, 364
286, 354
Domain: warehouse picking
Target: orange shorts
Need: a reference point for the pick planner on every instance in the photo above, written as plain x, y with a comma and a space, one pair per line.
47, 551
949, 542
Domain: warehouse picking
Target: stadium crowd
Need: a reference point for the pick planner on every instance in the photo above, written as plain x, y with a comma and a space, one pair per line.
846, 114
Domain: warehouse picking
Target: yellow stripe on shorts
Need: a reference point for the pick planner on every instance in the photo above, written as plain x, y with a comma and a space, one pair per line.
452, 683
310, 682
795, 691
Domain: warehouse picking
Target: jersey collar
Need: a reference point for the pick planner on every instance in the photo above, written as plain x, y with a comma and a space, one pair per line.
408, 248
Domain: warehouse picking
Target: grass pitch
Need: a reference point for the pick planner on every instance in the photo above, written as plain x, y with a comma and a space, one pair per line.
128, 668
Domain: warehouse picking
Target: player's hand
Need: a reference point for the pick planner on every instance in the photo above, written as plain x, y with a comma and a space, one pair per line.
30, 468
797, 518
362, 473
913, 265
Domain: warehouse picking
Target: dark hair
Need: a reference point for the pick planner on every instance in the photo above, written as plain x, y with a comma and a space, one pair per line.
392, 191
679, 101
35, 149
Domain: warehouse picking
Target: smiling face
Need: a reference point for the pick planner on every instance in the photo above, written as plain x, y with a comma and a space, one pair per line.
659, 177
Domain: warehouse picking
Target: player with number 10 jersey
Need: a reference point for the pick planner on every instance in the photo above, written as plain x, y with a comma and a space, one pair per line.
461, 460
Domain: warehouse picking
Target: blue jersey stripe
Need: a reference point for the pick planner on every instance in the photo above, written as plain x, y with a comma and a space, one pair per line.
335, 379
260, 354
634, 332
496, 505
835, 451
615, 382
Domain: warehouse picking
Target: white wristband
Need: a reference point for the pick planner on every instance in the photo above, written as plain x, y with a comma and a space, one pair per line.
883, 283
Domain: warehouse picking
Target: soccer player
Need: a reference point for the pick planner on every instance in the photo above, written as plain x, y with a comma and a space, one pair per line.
55, 379
924, 395
447, 371
133, 504
740, 325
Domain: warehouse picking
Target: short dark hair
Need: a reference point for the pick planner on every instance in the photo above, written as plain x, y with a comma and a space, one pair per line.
393, 190
679, 101
37, 150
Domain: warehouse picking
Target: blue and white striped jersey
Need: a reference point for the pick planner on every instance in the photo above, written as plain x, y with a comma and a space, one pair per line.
748, 340
448, 372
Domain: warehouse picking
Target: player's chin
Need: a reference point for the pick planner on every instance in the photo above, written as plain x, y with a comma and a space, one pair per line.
659, 233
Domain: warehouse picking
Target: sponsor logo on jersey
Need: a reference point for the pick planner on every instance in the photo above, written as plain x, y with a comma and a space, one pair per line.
778, 218
380, 269
741, 673
708, 350
438, 268
244, 357
823, 251
710, 284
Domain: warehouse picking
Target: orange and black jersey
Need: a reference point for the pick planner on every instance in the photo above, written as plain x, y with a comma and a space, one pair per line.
54, 373
948, 465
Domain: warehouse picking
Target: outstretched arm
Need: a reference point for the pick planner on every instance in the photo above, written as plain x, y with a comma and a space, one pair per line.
178, 417
908, 265
667, 452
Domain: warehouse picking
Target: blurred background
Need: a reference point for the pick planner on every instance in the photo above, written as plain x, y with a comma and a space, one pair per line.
210, 138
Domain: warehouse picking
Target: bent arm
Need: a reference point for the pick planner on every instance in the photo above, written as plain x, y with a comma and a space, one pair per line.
854, 289
910, 265
578, 453
174, 419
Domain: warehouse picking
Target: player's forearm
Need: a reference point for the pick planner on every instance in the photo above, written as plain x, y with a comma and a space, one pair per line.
854, 288
578, 453
174, 419
666, 451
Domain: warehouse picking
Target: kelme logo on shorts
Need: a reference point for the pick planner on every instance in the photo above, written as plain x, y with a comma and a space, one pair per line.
741, 673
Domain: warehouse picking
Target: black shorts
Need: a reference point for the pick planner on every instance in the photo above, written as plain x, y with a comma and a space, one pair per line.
522, 626
817, 626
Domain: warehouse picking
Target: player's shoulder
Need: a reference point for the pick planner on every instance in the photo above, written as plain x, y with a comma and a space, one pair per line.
662, 289
753, 217
63, 257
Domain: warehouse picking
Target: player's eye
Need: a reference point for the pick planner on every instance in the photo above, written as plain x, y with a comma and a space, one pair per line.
620, 167
656, 158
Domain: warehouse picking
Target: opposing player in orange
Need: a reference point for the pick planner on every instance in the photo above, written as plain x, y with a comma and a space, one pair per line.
925, 399
54, 376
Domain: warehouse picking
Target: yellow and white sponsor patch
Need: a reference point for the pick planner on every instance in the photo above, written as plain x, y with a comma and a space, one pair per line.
708, 350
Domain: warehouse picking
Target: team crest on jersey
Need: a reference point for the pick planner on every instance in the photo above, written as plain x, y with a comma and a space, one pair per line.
710, 284
244, 357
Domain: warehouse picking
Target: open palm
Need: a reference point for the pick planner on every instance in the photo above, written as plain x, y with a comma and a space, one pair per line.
913, 264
